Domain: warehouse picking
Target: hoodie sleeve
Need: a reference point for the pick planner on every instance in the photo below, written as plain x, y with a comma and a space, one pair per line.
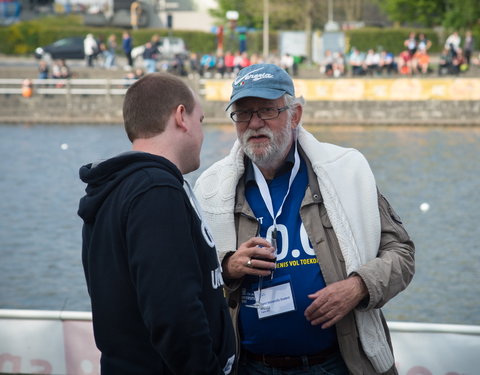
166, 271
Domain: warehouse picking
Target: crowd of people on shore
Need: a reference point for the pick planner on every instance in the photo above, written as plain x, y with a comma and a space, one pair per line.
104, 53
228, 64
58, 70
458, 56
415, 59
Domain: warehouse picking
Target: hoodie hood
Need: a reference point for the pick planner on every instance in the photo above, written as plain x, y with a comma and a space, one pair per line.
103, 177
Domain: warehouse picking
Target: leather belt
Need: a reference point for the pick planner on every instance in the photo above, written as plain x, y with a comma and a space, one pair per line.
288, 362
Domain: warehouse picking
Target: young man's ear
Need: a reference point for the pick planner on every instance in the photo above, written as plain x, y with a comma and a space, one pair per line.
180, 113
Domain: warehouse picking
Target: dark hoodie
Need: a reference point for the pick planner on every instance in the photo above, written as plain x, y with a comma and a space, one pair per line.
152, 272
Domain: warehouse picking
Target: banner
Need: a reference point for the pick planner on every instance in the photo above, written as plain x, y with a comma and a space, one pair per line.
345, 89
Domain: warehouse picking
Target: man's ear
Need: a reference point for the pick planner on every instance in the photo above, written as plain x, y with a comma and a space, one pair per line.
180, 113
297, 116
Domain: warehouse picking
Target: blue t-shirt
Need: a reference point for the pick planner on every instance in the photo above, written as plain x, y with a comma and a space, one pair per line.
289, 333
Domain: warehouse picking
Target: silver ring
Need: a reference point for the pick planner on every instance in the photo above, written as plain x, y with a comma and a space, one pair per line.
249, 263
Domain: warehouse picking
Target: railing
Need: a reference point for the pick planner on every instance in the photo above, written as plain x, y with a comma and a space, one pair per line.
74, 86
394, 326
63, 342
16, 86
45, 315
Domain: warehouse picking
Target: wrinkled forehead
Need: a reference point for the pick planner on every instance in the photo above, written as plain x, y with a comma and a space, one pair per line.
254, 103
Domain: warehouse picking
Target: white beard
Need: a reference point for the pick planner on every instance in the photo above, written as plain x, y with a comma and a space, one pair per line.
266, 155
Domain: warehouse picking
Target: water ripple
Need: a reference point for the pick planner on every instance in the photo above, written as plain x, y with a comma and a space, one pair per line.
40, 233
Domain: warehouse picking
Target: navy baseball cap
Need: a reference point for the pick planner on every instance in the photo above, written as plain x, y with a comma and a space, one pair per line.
266, 81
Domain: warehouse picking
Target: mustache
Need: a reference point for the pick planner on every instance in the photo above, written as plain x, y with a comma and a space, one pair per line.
265, 132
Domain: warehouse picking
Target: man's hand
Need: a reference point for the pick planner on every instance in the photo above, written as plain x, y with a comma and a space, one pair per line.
247, 259
336, 300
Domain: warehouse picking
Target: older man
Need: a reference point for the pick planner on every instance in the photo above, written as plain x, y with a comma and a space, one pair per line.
310, 249
151, 267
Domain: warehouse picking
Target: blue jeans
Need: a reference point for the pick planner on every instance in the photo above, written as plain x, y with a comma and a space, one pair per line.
150, 65
333, 366
109, 59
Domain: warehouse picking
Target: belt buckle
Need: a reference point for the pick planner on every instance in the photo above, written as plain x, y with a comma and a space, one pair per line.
272, 363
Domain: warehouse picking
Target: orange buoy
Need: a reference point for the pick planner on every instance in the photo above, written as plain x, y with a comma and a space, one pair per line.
27, 88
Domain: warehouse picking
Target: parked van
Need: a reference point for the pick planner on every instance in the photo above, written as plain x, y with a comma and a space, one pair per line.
168, 47
171, 46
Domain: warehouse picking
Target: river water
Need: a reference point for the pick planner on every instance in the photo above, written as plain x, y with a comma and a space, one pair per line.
40, 233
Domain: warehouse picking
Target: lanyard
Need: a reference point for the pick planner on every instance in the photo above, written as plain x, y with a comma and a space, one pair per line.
265, 193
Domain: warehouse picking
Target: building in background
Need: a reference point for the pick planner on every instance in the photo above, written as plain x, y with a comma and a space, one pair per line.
191, 14
173, 14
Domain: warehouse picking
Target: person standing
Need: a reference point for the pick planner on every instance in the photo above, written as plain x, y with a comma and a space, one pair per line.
411, 43
310, 249
150, 55
424, 43
468, 46
286, 62
150, 264
110, 52
91, 48
127, 45
452, 44
135, 14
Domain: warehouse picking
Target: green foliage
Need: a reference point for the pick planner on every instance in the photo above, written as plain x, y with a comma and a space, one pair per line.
451, 14
248, 16
196, 41
283, 14
255, 42
22, 38
388, 39
463, 14
19, 37
407, 12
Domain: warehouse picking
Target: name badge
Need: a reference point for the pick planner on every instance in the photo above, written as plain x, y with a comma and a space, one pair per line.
275, 300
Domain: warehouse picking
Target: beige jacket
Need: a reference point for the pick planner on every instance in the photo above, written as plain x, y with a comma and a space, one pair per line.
384, 276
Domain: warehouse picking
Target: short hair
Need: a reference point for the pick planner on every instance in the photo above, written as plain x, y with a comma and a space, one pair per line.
150, 101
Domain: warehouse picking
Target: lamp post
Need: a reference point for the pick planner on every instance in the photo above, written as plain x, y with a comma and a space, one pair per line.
331, 25
308, 30
232, 17
266, 47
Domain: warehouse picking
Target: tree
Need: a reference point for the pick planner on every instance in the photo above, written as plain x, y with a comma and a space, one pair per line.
353, 10
250, 12
463, 14
406, 12
284, 15
452, 14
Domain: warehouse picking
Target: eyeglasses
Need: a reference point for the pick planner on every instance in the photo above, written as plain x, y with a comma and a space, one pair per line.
263, 113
